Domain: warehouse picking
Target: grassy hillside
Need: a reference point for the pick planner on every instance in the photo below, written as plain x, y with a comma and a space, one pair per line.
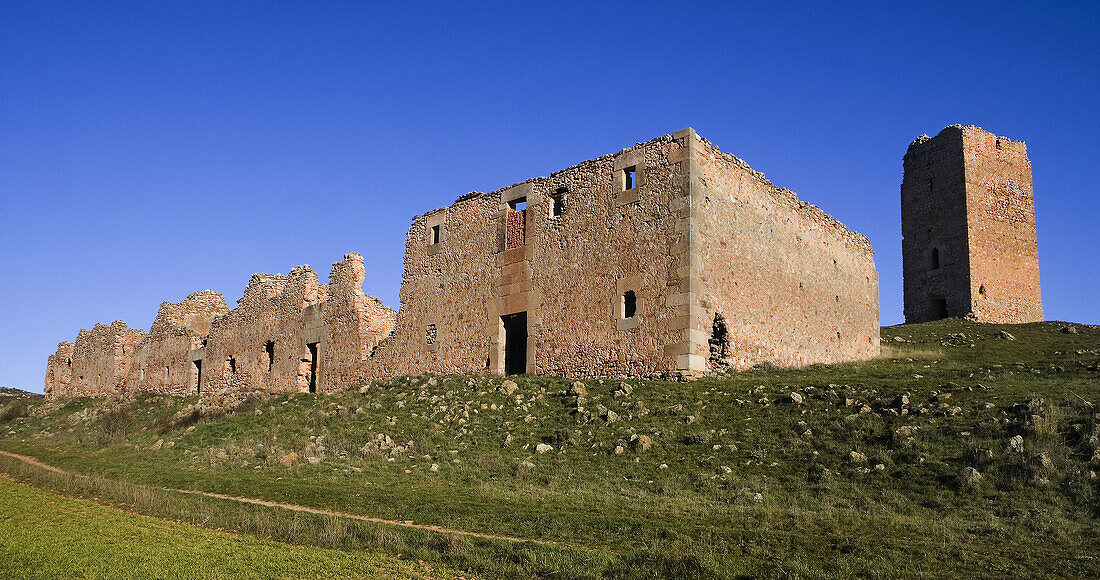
50, 536
966, 450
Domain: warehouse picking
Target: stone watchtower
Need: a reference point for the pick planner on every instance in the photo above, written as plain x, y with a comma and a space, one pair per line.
968, 229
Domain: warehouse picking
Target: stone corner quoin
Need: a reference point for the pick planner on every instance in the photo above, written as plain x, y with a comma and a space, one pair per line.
666, 259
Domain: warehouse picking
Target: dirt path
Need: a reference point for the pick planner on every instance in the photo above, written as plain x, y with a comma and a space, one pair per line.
301, 508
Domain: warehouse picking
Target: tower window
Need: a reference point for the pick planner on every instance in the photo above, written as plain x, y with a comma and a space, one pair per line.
629, 175
434, 238
518, 204
630, 304
935, 258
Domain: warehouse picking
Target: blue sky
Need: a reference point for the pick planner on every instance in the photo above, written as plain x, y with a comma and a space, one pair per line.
149, 150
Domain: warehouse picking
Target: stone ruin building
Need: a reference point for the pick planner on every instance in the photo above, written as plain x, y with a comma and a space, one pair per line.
968, 227
669, 258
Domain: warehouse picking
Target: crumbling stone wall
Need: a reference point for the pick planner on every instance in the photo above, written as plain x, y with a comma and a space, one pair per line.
286, 334
969, 246
282, 309
101, 359
161, 361
354, 324
620, 265
59, 371
792, 285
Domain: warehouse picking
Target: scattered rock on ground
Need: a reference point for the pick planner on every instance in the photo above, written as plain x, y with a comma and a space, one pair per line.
968, 477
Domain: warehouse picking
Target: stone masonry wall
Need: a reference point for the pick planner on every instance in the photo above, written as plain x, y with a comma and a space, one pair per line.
161, 361
200, 345
617, 266
968, 226
935, 246
1004, 255
800, 287
59, 370
568, 276
280, 309
101, 359
793, 286
354, 323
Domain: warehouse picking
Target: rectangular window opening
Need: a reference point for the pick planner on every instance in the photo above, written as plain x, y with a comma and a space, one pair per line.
629, 175
518, 204
429, 337
269, 348
557, 202
630, 304
312, 366
435, 234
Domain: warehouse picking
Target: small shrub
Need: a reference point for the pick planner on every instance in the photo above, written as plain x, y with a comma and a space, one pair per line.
14, 410
115, 423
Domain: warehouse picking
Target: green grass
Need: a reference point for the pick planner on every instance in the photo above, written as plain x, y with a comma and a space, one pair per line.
43, 535
753, 484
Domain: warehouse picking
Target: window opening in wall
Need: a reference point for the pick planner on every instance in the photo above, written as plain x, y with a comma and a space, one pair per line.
935, 258
435, 234
196, 375
429, 335
629, 174
69, 362
231, 365
515, 343
166, 373
312, 366
557, 202
981, 289
269, 348
719, 343
630, 304
515, 225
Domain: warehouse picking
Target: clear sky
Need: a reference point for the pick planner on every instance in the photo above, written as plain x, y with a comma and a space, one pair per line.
148, 150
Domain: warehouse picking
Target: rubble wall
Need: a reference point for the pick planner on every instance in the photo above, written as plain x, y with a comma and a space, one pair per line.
354, 323
59, 371
969, 245
1000, 207
161, 361
101, 359
792, 284
568, 273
